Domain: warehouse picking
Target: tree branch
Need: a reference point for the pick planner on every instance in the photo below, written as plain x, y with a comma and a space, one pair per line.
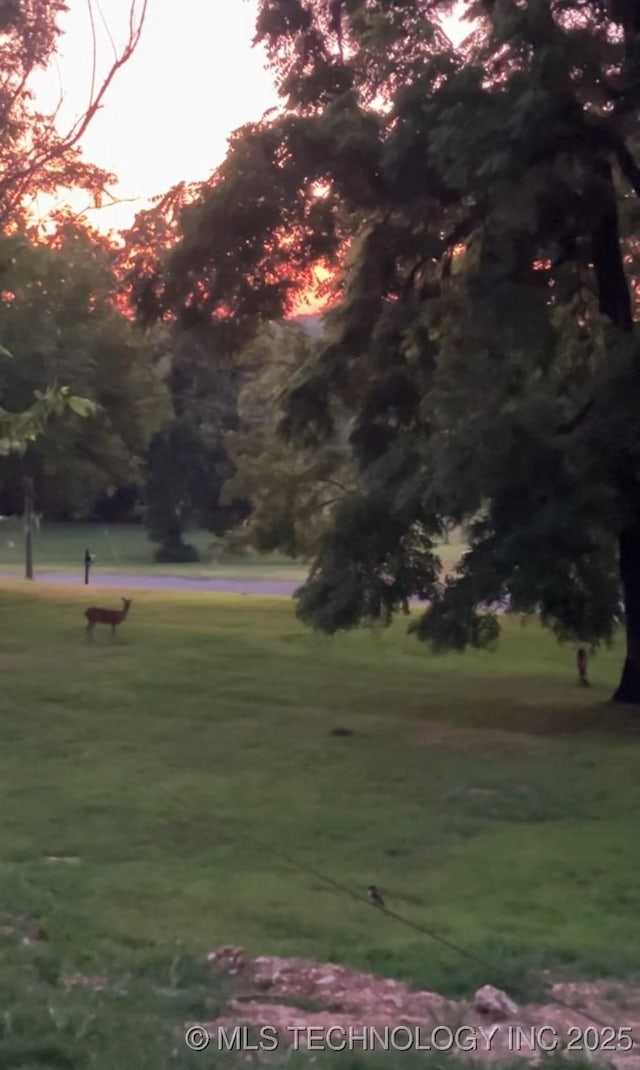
15, 181
335, 483
454, 238
576, 420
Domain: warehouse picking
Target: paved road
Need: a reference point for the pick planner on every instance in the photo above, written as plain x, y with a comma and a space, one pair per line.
132, 581
198, 585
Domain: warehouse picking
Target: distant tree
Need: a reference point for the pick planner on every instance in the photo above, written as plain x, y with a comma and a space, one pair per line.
37, 158
60, 325
169, 510
191, 446
293, 492
484, 345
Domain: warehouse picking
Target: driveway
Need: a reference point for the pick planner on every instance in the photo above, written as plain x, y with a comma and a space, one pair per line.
283, 588
197, 585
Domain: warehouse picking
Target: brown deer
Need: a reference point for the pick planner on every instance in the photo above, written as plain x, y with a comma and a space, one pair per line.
114, 617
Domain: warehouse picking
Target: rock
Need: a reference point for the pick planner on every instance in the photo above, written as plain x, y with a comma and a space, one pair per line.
493, 1001
34, 934
229, 959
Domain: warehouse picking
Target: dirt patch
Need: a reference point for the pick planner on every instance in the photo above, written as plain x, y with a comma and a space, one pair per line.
91, 983
442, 734
15, 662
318, 1006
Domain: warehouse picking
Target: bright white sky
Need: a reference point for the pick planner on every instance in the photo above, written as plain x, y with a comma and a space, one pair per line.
167, 116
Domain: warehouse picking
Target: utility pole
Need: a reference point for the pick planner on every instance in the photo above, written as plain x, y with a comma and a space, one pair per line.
27, 485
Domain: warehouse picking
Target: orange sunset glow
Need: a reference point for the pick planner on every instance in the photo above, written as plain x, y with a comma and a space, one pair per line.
193, 80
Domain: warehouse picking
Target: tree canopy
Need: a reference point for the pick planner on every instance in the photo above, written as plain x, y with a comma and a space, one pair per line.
38, 157
293, 491
60, 325
480, 206
188, 462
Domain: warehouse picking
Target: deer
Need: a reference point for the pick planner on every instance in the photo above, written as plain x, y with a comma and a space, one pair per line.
114, 617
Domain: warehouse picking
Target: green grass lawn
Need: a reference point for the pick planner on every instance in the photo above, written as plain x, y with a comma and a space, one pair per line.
126, 548
489, 796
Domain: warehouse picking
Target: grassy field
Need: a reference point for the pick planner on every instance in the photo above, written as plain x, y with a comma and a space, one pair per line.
126, 548
489, 796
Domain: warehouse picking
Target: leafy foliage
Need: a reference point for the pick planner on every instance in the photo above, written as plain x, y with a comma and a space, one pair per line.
19, 429
480, 208
58, 320
293, 492
188, 463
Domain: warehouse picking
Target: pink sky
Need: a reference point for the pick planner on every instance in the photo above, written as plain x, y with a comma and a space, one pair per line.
167, 116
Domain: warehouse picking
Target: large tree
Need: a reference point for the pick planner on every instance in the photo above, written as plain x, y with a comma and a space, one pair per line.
482, 349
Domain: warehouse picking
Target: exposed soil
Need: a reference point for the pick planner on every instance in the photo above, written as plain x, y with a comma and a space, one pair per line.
295, 995
437, 734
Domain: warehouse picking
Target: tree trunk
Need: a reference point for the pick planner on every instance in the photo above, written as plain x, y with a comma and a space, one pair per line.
614, 296
629, 686
28, 532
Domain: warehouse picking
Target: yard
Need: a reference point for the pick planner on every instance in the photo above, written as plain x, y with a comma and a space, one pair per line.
148, 784
122, 548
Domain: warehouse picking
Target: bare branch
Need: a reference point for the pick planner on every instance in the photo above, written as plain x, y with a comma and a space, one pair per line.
135, 32
49, 148
94, 49
335, 483
577, 420
108, 31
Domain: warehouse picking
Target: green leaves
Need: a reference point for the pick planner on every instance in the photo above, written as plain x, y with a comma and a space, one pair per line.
467, 204
82, 406
18, 430
81, 389
294, 493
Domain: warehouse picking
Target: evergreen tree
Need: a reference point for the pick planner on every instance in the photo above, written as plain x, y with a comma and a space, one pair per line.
188, 463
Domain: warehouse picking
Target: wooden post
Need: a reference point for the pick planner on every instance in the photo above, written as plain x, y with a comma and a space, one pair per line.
87, 566
27, 484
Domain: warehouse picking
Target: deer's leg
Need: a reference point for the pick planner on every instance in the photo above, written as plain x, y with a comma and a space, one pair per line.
89, 630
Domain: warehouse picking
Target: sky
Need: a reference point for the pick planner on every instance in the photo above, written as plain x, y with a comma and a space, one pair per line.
193, 80
167, 116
